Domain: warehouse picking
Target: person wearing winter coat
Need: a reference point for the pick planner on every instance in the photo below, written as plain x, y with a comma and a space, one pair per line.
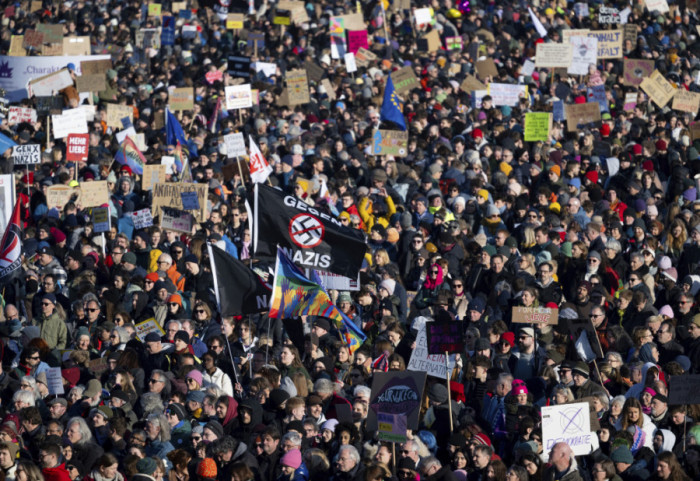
293, 468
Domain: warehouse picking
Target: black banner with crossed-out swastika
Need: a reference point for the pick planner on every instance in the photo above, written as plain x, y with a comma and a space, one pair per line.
311, 237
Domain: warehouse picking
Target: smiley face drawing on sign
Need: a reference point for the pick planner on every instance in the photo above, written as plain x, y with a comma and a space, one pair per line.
306, 231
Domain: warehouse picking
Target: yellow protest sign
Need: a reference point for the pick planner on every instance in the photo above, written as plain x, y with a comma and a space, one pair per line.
537, 125
234, 21
658, 88
154, 9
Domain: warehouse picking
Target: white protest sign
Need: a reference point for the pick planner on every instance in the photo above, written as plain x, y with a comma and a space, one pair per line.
528, 68
583, 54
350, 64
177, 220
660, 6
268, 69
553, 55
235, 145
26, 154
570, 424
338, 282
141, 218
71, 121
123, 134
433, 364
423, 16
51, 84
239, 97
21, 114
506, 94
54, 381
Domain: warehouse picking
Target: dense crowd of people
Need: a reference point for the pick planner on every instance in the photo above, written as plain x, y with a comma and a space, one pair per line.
601, 223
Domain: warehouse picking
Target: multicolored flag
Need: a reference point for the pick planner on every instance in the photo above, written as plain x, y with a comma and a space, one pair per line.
11, 246
129, 154
179, 157
294, 295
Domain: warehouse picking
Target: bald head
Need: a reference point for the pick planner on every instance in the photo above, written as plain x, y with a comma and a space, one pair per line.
561, 456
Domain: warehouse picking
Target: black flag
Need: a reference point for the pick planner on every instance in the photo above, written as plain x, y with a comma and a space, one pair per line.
238, 289
309, 237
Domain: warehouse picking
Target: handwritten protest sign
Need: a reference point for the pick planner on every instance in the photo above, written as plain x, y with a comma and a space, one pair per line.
141, 218
71, 121
93, 67
404, 80
77, 147
115, 114
444, 336
235, 145
76, 45
33, 39
609, 15
537, 126
636, 70
152, 174
506, 94
52, 33
169, 195
567, 423
328, 88
536, 315
609, 43
422, 361
58, 195
686, 101
486, 68
235, 21
396, 394
573, 32
91, 83
51, 84
684, 389
357, 39
597, 94
93, 194
390, 142
100, 219
297, 87
578, 115
146, 327
16, 46
629, 32
658, 88
54, 381
630, 101
363, 57
181, 99
454, 43
660, 6
26, 154
177, 220
584, 53
17, 115
553, 55
239, 97
471, 83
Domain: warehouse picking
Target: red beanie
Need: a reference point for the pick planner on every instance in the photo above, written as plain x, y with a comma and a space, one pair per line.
477, 133
592, 175
637, 149
605, 130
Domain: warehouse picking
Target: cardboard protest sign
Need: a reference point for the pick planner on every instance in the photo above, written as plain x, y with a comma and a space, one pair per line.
71, 121
566, 34
432, 41
579, 115
181, 99
584, 52
141, 218
609, 43
18, 115
353, 21
471, 83
568, 423
16, 46
115, 114
684, 389
239, 97
169, 195
444, 336
432, 364
553, 55
658, 88
154, 10
660, 6
357, 39
77, 147
297, 87
52, 33
93, 67
58, 195
404, 80
636, 70
234, 21
330, 90
94, 194
177, 220
146, 327
33, 39
152, 174
363, 57
506, 94
26, 154
390, 142
51, 84
686, 101
76, 46
486, 68
629, 32
535, 315
395, 394
100, 219
537, 126
91, 83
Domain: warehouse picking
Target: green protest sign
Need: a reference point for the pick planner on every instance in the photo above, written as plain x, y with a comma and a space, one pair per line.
537, 126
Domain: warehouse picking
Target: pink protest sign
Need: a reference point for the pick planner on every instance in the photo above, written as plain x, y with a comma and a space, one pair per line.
357, 39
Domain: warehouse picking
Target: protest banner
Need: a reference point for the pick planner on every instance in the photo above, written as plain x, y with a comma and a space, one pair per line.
146, 327
177, 220
169, 195
597, 94
329, 280
635, 70
357, 39
395, 395
115, 114
567, 423
26, 154
16, 115
235, 21
477, 96
51, 84
584, 52
235, 145
444, 336
313, 71
58, 195
390, 142
630, 101
404, 80
537, 126
609, 43
432, 364
71, 121
91, 83
100, 220
660, 6
685, 101
76, 45
684, 389
609, 15
553, 55
77, 147
506, 94
33, 39
181, 99
53, 33
142, 219
239, 97
585, 339
94, 193
297, 87
486, 68
536, 315
152, 174
54, 381
471, 83
658, 88
579, 115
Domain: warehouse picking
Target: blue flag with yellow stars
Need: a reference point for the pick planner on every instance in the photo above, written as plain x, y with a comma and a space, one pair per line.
392, 108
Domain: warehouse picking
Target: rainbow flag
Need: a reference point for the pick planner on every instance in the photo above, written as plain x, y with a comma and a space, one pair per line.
179, 158
129, 154
294, 295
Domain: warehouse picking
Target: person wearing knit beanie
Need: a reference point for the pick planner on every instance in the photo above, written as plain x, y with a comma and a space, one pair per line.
291, 459
207, 469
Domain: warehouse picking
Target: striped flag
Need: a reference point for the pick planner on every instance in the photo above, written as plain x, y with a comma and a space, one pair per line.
129, 154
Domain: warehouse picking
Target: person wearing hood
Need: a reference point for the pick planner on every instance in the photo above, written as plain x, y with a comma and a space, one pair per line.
229, 451
250, 416
227, 413
180, 426
125, 193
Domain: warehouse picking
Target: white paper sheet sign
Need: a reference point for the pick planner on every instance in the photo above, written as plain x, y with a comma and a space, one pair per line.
350, 64
584, 53
506, 94
235, 145
72, 121
239, 97
54, 380
567, 423
421, 360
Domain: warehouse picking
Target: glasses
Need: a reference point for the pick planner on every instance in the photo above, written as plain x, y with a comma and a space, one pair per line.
46, 304
162, 262
458, 285
595, 316
92, 309
199, 311
171, 304
154, 381
196, 438
35, 358
434, 272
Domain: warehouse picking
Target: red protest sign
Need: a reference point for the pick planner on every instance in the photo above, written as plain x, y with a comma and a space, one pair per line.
77, 149
213, 76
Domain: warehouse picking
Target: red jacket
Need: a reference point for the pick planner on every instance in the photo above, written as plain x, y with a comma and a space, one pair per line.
59, 473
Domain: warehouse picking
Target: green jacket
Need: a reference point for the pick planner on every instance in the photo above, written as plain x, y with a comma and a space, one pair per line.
53, 331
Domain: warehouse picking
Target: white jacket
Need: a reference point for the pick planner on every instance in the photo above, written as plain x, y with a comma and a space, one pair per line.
220, 379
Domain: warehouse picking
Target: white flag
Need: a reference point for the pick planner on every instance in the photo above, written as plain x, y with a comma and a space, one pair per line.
260, 170
538, 25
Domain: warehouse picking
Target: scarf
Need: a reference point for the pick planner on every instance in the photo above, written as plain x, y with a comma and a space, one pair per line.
429, 282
